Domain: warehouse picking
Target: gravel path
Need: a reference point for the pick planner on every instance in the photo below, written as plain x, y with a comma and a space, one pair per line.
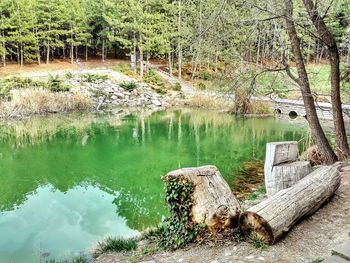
186, 87
312, 239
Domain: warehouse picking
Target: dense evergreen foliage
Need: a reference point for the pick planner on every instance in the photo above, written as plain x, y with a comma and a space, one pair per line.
202, 32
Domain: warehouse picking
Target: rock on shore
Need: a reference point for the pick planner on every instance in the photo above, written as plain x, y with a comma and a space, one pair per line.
108, 93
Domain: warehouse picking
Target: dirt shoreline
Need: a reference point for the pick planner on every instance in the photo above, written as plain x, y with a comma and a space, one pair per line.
310, 240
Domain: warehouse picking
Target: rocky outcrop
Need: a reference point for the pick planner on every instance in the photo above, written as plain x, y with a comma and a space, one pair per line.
108, 93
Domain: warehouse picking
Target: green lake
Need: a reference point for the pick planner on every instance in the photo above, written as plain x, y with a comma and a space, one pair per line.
69, 181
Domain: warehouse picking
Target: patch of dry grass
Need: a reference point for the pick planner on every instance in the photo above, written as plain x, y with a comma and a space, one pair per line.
314, 155
209, 102
260, 107
38, 101
241, 106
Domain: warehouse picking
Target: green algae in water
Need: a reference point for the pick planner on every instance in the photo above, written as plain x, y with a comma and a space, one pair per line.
67, 182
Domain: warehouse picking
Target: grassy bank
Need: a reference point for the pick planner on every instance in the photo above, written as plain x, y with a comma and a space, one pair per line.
29, 101
236, 106
20, 96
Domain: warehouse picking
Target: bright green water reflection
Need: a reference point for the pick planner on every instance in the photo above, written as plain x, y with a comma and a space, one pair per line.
68, 182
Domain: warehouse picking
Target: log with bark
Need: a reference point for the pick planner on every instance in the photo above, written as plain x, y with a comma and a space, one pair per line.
271, 219
214, 203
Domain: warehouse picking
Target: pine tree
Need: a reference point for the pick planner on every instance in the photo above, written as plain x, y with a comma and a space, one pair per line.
4, 25
77, 30
51, 18
22, 35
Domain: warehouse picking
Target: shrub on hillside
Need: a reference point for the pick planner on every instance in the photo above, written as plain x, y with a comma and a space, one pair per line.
177, 86
205, 75
56, 84
124, 68
90, 77
130, 85
202, 86
151, 77
8, 84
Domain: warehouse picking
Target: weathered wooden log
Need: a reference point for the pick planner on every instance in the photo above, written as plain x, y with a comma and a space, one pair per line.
214, 203
272, 218
285, 175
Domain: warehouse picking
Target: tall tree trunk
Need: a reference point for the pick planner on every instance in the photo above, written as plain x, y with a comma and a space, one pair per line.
22, 55
141, 56
170, 63
135, 54
64, 51
86, 52
38, 56
258, 48
4, 59
308, 51
197, 58
141, 62
48, 53
148, 56
179, 41
4, 54
18, 56
71, 54
180, 62
303, 81
263, 49
103, 50
194, 65
328, 39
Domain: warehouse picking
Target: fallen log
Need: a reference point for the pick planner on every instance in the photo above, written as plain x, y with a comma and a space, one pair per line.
271, 219
214, 203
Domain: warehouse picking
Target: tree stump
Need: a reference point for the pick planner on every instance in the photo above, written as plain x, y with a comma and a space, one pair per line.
282, 168
285, 175
280, 152
272, 218
214, 203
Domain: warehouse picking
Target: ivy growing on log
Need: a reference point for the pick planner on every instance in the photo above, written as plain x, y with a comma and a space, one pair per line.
178, 229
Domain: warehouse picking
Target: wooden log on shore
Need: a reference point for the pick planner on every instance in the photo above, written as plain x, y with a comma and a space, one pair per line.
285, 175
272, 218
214, 203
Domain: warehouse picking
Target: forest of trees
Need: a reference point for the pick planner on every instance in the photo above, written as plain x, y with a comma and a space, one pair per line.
198, 32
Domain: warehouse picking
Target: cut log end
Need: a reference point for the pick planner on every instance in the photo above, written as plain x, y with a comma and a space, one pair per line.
254, 226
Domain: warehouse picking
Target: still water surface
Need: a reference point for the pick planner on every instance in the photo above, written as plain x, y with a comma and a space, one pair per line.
67, 182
